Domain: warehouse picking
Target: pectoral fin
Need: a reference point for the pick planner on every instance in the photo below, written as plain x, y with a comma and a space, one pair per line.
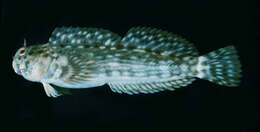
50, 91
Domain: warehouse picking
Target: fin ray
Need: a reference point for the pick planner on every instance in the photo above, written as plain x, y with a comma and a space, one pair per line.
149, 87
77, 35
158, 41
221, 66
50, 91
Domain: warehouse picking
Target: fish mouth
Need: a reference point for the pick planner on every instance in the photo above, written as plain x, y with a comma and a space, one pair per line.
16, 68
19, 72
20, 69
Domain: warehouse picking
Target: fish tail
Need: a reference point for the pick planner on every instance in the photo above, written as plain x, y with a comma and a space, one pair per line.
221, 66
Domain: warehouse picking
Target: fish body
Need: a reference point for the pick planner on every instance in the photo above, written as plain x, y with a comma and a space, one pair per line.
146, 60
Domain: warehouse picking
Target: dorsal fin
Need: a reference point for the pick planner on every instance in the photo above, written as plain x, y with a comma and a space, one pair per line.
76, 35
143, 38
158, 41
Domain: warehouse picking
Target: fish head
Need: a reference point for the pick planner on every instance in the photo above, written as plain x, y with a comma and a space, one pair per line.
33, 62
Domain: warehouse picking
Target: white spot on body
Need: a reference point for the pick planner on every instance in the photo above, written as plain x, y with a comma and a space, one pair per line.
90, 54
138, 66
99, 57
115, 59
184, 67
74, 58
138, 50
193, 68
163, 67
144, 37
108, 42
139, 74
109, 56
165, 53
58, 34
115, 73
80, 32
113, 64
78, 41
113, 48
70, 36
55, 55
150, 38
126, 73
161, 39
130, 35
88, 36
81, 46
96, 33
73, 41
77, 60
166, 75
63, 37
133, 57
100, 37
102, 47
132, 40
201, 68
117, 54
67, 46
108, 35
113, 43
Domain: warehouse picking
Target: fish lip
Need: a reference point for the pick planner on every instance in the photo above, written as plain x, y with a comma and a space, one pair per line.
18, 72
16, 68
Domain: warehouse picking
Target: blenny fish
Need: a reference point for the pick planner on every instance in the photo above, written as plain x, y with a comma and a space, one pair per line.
145, 60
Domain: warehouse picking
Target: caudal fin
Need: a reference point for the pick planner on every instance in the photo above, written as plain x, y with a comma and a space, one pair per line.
221, 67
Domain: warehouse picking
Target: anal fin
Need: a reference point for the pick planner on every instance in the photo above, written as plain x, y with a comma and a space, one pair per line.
150, 87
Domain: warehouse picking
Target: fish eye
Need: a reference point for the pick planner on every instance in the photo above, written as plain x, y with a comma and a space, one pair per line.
22, 52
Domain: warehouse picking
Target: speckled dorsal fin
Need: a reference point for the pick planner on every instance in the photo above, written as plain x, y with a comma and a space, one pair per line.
76, 35
149, 87
158, 41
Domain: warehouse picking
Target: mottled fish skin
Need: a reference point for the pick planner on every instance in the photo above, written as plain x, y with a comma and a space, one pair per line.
146, 60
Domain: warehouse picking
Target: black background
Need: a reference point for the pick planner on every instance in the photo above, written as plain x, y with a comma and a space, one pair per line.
201, 106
